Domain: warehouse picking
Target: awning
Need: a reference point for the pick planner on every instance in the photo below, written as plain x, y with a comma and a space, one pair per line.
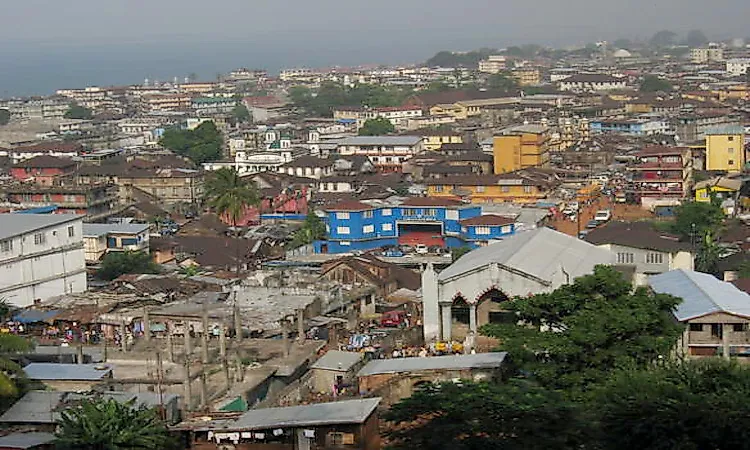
36, 315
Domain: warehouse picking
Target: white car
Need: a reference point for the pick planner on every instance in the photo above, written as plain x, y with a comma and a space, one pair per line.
421, 249
603, 216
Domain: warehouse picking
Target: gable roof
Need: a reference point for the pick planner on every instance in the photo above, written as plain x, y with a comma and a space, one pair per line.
489, 220
343, 412
701, 294
337, 360
541, 253
65, 372
640, 235
399, 365
46, 162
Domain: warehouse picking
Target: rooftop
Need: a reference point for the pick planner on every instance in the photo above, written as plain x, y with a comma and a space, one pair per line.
337, 360
12, 225
488, 220
636, 235
451, 362
381, 140
23, 441
58, 372
102, 229
46, 162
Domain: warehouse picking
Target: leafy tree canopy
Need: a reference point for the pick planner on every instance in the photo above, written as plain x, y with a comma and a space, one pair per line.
101, 424
377, 127
469, 60
332, 95
229, 194
693, 220
696, 38
241, 113
502, 82
313, 229
4, 117
598, 324
203, 144
664, 38
78, 112
653, 83
119, 263
457, 252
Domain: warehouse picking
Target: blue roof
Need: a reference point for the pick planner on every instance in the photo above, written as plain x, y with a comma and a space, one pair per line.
35, 315
40, 210
64, 372
701, 294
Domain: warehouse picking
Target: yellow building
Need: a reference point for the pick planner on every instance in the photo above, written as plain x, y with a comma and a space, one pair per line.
434, 139
725, 149
527, 76
520, 148
454, 110
722, 187
514, 188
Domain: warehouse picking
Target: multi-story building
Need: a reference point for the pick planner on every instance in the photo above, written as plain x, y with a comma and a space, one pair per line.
41, 256
521, 147
590, 82
43, 170
725, 149
91, 97
663, 172
738, 66
493, 64
52, 148
703, 55
629, 127
692, 127
166, 102
52, 108
198, 88
95, 202
510, 187
208, 105
387, 153
527, 76
434, 222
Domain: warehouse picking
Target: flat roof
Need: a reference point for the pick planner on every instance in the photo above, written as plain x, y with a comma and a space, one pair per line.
381, 140
12, 225
23, 441
59, 372
102, 229
337, 360
451, 362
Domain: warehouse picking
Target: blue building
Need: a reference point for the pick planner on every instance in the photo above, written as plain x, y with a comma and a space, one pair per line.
631, 127
434, 222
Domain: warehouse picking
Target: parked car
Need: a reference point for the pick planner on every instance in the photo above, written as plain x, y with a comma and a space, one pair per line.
603, 215
592, 224
393, 319
421, 249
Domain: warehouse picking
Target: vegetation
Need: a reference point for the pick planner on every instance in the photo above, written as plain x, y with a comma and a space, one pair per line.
333, 95
4, 117
240, 113
502, 82
377, 127
694, 220
314, 229
696, 38
230, 195
101, 424
115, 264
202, 144
13, 381
457, 252
653, 83
78, 112
664, 38
469, 60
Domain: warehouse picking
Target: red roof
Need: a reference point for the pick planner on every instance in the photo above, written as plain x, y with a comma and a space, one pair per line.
351, 205
488, 220
59, 147
432, 201
662, 150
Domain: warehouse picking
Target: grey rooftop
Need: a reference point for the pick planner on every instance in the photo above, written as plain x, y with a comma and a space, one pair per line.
490, 360
337, 360
12, 225
61, 372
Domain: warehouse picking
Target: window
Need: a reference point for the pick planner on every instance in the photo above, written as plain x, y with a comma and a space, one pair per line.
342, 230
480, 189
505, 189
731, 162
387, 212
430, 212
528, 189
368, 229
334, 439
40, 238
451, 214
624, 258
387, 227
739, 327
6, 246
654, 258
409, 212
696, 327
730, 138
439, 188
730, 150
716, 330
367, 214
71, 231
342, 215
482, 230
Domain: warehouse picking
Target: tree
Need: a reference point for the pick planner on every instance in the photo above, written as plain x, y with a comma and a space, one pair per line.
598, 323
502, 82
202, 144
314, 229
457, 252
694, 219
115, 264
376, 127
689, 405
517, 415
240, 113
4, 117
78, 112
623, 43
653, 83
13, 380
708, 255
101, 424
696, 38
664, 38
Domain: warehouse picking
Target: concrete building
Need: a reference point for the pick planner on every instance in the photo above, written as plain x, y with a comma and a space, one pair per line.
592, 83
725, 149
472, 290
41, 256
335, 368
102, 238
521, 147
704, 55
663, 172
738, 66
493, 64
386, 152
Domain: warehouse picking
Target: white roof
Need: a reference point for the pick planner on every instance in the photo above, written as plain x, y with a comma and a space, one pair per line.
701, 294
17, 224
490, 360
103, 229
541, 253
381, 140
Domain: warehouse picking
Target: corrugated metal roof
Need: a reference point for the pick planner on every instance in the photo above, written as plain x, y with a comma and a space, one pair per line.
34, 407
12, 225
102, 229
347, 411
337, 360
541, 253
701, 294
452, 362
381, 140
26, 440
77, 372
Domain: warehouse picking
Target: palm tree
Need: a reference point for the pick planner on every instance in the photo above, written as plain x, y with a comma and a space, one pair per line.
230, 195
101, 424
12, 378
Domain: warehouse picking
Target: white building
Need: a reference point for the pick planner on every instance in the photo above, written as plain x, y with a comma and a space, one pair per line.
704, 55
493, 64
41, 256
738, 67
592, 83
386, 152
102, 238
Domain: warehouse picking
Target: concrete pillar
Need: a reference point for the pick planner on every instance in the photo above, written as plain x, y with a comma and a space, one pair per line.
146, 325
473, 318
123, 336
204, 347
240, 374
237, 320
285, 336
223, 343
447, 321
170, 343
79, 354
188, 341
186, 385
301, 326
204, 388
430, 305
725, 327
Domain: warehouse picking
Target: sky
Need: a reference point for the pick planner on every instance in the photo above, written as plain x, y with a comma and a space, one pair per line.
84, 41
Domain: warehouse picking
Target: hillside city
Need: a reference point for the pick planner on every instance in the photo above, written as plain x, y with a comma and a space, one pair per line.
523, 248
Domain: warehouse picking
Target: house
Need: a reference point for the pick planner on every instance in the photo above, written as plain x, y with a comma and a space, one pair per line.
662, 172
43, 170
717, 313
368, 271
493, 64
212, 105
472, 290
308, 167
589, 82
96, 201
640, 244
99, 239
478, 230
335, 368
434, 138
398, 378
68, 377
723, 188
629, 127
385, 152
521, 147
351, 424
725, 149
737, 67
52, 148
516, 187
692, 126
41, 256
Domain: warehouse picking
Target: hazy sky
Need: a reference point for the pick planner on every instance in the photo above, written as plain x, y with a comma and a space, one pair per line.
337, 22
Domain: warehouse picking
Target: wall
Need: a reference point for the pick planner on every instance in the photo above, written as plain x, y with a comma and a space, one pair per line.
721, 149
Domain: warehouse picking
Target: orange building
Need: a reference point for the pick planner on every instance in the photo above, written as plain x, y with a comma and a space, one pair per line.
521, 147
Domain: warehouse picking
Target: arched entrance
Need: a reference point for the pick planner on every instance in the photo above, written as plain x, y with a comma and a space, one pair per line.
490, 308
460, 318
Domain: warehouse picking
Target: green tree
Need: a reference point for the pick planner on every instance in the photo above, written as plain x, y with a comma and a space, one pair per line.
708, 255
78, 112
376, 127
4, 117
502, 82
101, 424
115, 264
664, 38
692, 405
517, 415
653, 83
313, 229
203, 144
623, 43
696, 38
693, 220
229, 195
598, 324
13, 380
240, 113
457, 252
